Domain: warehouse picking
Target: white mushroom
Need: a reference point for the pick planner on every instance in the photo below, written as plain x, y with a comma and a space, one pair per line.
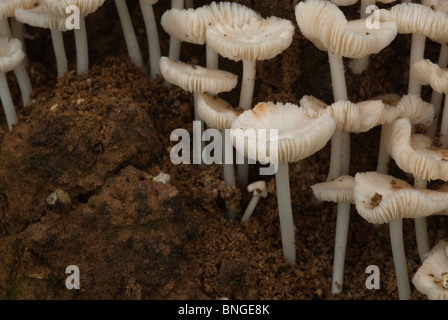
259, 191
430, 278
257, 40
191, 25
278, 134
11, 55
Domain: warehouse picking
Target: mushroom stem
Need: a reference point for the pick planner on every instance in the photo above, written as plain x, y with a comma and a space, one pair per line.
339, 165
5, 30
358, 65
212, 58
129, 33
59, 51
229, 173
342, 223
153, 37
383, 155
417, 53
82, 49
247, 84
421, 229
8, 105
246, 95
250, 208
401, 272
24, 82
174, 51
189, 4
444, 124
285, 212
199, 141
436, 97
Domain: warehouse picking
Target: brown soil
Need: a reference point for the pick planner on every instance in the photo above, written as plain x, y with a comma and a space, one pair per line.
101, 139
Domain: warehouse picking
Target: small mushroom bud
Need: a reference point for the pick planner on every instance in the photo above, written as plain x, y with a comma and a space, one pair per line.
259, 190
59, 200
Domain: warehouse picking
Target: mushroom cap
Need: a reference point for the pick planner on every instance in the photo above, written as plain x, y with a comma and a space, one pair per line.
337, 190
429, 73
414, 153
256, 40
409, 106
86, 7
343, 3
427, 279
438, 5
349, 116
418, 18
258, 188
298, 135
380, 198
216, 112
190, 25
11, 54
325, 25
196, 78
7, 7
41, 17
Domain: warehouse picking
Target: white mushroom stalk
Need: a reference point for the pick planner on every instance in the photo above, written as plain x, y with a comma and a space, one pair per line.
175, 44
278, 134
85, 8
430, 278
259, 190
11, 55
257, 40
152, 35
129, 34
41, 17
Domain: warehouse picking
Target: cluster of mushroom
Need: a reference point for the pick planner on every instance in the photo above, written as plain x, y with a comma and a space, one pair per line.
378, 197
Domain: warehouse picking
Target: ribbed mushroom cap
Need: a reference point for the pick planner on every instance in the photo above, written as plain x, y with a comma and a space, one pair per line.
325, 25
380, 198
190, 25
427, 280
11, 54
343, 3
86, 7
418, 18
429, 73
196, 78
337, 190
7, 7
256, 40
216, 112
415, 153
409, 106
349, 116
298, 134
41, 17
